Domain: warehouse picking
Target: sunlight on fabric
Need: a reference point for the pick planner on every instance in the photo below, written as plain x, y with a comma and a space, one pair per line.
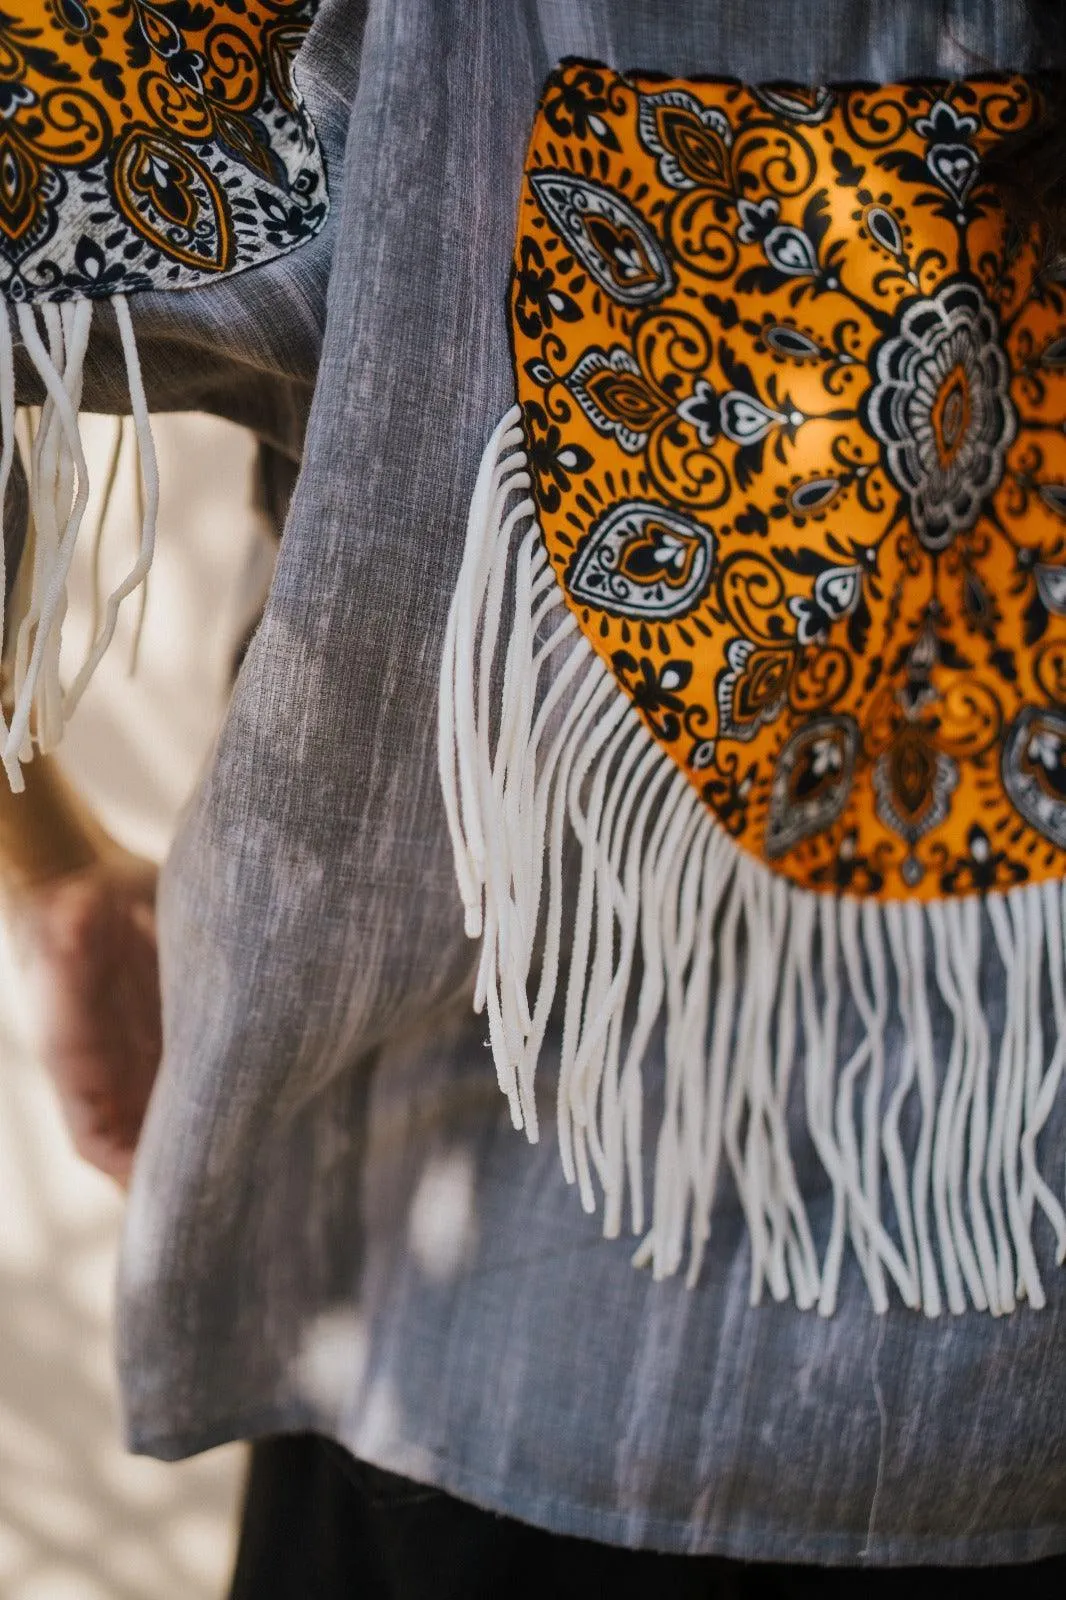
442, 1222
332, 1358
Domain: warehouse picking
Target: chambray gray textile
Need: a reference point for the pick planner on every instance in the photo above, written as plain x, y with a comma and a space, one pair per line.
332, 1224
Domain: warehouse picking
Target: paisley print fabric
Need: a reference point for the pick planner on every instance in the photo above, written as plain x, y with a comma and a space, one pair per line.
794, 402
150, 145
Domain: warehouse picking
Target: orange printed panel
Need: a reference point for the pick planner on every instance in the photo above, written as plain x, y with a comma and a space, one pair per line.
794, 400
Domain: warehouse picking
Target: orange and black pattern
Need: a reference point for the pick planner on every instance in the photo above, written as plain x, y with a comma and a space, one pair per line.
795, 403
150, 145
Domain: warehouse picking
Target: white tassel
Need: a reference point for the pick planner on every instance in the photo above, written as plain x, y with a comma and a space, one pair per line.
118, 440
59, 493
7, 461
681, 949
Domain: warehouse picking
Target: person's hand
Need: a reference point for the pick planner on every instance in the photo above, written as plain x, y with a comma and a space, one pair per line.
87, 945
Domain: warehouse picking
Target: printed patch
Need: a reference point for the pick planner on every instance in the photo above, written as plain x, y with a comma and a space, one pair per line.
795, 412
151, 146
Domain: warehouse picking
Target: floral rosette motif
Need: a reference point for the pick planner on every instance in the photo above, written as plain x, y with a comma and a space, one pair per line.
794, 400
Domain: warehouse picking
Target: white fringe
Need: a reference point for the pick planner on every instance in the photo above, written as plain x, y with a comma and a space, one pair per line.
55, 338
681, 948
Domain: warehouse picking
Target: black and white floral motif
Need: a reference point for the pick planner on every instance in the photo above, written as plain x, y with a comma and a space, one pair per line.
941, 410
643, 560
812, 781
951, 160
1051, 587
752, 690
609, 237
1034, 770
837, 592
913, 784
745, 419
703, 410
797, 102
691, 141
613, 393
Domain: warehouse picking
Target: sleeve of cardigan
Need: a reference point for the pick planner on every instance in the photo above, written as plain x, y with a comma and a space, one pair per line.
309, 908
310, 903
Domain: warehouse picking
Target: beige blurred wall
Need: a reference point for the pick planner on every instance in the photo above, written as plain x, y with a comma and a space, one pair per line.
80, 1519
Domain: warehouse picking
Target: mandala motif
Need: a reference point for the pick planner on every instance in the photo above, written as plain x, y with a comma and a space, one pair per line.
151, 145
795, 408
941, 409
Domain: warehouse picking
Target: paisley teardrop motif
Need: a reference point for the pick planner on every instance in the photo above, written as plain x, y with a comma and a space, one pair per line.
885, 229
608, 235
173, 200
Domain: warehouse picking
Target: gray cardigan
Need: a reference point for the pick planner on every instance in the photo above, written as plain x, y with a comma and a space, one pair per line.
333, 1225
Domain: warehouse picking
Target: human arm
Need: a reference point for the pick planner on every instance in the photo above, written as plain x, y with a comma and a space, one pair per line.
81, 912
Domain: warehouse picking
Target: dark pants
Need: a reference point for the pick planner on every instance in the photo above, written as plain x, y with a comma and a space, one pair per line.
319, 1525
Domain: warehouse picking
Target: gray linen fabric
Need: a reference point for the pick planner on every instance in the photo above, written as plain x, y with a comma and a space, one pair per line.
332, 1224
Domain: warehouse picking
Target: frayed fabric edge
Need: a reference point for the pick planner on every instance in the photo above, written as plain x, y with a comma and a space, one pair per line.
675, 934
55, 339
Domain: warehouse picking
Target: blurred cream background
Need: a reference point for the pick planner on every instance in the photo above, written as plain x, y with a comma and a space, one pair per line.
80, 1519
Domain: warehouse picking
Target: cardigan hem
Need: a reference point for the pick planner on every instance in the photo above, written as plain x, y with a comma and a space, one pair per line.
574, 1518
